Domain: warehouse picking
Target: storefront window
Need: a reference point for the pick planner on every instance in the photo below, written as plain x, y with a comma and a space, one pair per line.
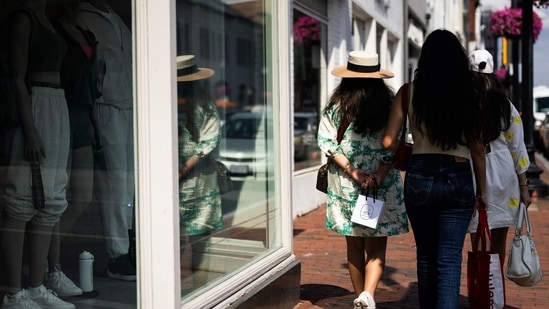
67, 183
225, 116
307, 35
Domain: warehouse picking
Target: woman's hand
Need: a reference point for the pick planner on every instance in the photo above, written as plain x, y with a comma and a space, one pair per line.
525, 196
480, 202
34, 149
363, 178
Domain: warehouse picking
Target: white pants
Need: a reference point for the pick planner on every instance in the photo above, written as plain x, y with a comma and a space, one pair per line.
114, 184
51, 120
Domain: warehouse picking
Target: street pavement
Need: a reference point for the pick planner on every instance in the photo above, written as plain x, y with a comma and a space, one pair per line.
325, 282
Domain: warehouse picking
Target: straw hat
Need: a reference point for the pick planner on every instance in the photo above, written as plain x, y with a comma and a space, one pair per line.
187, 70
482, 61
362, 64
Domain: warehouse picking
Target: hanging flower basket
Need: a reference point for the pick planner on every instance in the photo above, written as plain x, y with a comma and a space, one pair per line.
306, 30
501, 74
508, 23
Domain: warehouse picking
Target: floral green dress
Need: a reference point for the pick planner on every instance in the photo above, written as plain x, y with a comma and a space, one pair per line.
199, 199
364, 152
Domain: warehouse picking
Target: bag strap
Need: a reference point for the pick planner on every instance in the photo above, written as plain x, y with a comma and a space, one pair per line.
404, 104
340, 131
190, 127
523, 218
483, 238
342, 128
367, 190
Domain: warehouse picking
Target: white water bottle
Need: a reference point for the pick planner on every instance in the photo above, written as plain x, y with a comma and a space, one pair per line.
86, 271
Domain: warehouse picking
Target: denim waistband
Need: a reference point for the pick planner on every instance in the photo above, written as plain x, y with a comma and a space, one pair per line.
438, 157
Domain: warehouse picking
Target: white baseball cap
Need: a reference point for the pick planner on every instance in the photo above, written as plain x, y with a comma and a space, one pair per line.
482, 61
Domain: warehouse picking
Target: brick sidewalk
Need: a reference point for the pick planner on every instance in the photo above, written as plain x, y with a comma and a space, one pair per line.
325, 282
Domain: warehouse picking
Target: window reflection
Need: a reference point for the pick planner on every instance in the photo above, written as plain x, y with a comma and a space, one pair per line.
221, 233
200, 203
307, 34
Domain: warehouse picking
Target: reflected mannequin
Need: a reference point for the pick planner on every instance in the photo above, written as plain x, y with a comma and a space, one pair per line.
36, 51
114, 186
79, 80
199, 133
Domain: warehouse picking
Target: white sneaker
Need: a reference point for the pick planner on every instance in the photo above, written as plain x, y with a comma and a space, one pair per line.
58, 282
48, 299
19, 301
364, 301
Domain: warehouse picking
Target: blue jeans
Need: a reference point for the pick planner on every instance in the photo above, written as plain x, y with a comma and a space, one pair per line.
439, 197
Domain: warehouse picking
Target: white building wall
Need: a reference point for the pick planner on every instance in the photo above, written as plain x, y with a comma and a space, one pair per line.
447, 14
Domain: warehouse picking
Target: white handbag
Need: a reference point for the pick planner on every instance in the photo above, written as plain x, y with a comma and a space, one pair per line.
523, 266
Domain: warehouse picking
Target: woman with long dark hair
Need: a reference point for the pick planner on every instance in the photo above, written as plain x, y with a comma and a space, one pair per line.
506, 155
360, 106
439, 192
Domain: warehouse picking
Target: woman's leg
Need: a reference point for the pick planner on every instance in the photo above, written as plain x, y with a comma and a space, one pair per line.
13, 238
39, 238
200, 260
80, 186
356, 262
499, 241
365, 272
453, 222
376, 248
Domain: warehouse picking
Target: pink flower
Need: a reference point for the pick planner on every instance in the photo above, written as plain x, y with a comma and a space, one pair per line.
501, 73
508, 23
306, 30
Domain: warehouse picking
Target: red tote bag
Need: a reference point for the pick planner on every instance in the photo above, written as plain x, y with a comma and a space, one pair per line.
485, 281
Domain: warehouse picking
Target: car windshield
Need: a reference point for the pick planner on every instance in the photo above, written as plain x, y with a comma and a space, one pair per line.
244, 128
543, 104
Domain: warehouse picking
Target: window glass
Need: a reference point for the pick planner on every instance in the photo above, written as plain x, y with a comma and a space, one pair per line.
225, 115
67, 179
307, 35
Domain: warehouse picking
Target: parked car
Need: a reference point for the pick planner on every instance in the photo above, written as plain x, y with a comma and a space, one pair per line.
245, 146
305, 131
543, 132
540, 108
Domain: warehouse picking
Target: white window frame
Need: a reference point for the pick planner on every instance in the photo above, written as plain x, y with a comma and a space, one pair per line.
156, 163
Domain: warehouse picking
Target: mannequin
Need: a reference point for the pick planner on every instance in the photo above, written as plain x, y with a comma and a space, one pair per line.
79, 80
114, 187
40, 138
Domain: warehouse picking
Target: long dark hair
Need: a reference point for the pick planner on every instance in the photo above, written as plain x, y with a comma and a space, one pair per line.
495, 105
194, 94
445, 103
365, 102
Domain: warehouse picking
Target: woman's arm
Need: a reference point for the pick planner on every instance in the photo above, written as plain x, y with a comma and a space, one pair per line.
394, 124
479, 168
517, 148
19, 54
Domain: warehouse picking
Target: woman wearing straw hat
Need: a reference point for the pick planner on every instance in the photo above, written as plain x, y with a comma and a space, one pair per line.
199, 132
362, 100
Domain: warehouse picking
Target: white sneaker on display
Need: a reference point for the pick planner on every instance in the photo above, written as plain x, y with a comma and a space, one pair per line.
58, 282
48, 299
364, 301
19, 301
